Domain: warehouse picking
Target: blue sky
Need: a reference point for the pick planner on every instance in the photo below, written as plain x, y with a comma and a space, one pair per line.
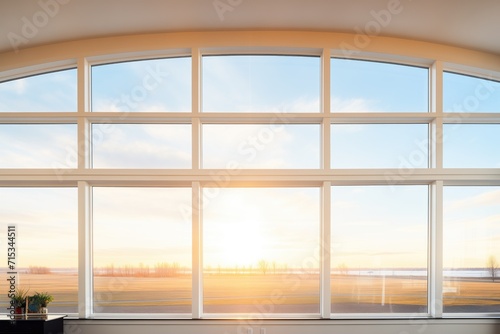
153, 85
261, 84
51, 92
470, 94
250, 84
141, 146
378, 87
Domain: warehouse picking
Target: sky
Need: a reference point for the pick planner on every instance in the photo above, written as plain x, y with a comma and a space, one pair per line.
471, 226
379, 226
242, 226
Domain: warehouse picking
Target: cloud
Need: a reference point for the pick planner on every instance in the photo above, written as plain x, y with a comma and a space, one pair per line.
159, 85
142, 146
261, 146
49, 92
261, 84
18, 86
300, 104
483, 199
339, 104
37, 146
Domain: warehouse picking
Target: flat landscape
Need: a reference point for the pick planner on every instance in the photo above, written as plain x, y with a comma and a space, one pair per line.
259, 293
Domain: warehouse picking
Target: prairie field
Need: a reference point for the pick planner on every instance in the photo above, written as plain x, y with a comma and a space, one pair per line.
259, 293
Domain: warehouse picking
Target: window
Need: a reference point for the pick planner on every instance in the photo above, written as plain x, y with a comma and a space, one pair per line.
463, 93
46, 242
471, 145
471, 252
48, 92
272, 146
379, 249
366, 86
231, 192
141, 146
259, 250
373, 145
261, 83
142, 250
147, 85
38, 146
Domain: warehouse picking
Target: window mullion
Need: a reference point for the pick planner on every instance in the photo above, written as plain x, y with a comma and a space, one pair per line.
85, 288
435, 283
196, 107
325, 239
436, 130
83, 97
197, 261
325, 108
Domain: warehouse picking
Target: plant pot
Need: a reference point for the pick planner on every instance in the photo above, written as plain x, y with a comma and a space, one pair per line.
44, 310
18, 310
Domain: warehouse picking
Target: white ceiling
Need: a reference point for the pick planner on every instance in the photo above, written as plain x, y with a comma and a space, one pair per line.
467, 23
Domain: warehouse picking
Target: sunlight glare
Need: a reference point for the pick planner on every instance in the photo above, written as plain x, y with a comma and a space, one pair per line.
241, 244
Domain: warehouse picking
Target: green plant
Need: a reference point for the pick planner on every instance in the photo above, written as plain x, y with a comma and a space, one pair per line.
19, 298
42, 298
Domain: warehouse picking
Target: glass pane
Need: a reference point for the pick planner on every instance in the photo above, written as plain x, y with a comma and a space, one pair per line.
471, 145
45, 259
38, 146
471, 250
463, 93
402, 146
141, 145
260, 250
261, 146
145, 85
261, 83
142, 250
367, 86
379, 249
49, 92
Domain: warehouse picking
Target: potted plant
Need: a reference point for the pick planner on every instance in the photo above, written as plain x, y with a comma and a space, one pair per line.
42, 299
19, 301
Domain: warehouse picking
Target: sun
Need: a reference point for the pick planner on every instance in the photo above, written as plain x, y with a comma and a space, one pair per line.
242, 244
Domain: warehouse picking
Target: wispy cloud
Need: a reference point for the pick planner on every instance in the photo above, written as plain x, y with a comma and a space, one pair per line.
261, 146
486, 198
37, 146
339, 104
55, 91
142, 146
261, 84
18, 86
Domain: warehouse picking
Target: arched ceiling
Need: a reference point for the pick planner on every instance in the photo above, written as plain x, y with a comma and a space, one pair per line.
473, 24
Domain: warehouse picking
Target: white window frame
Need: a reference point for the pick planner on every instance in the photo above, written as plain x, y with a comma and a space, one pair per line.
437, 58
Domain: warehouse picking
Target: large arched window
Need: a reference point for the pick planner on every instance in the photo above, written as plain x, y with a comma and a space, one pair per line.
230, 182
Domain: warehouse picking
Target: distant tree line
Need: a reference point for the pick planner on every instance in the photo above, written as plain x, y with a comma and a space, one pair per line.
39, 270
161, 269
263, 267
173, 269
